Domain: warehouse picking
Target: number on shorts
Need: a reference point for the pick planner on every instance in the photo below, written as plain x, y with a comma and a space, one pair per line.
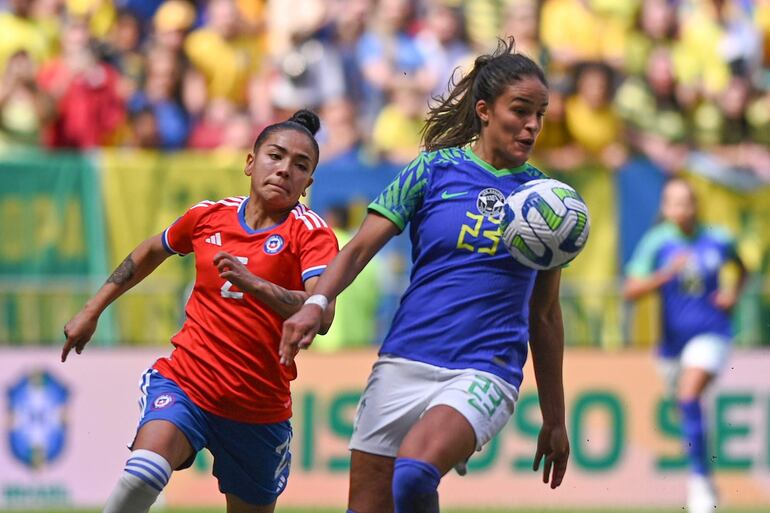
225, 290
487, 396
283, 450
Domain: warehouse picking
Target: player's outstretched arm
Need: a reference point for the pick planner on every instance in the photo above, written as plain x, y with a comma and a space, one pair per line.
300, 328
282, 301
135, 267
546, 334
637, 286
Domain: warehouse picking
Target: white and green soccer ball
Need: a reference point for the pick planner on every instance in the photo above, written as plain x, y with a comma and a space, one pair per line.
545, 224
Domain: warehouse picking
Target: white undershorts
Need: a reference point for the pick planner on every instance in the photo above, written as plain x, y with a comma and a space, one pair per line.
709, 352
400, 391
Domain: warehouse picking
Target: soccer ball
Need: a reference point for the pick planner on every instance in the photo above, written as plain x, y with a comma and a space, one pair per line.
544, 224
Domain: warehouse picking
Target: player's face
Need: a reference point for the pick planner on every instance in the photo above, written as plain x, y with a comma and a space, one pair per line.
282, 168
513, 121
678, 204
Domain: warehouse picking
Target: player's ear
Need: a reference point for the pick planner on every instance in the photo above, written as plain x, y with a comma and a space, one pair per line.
249, 164
309, 183
482, 111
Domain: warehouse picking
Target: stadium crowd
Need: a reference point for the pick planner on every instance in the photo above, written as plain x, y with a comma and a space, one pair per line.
676, 85
678, 79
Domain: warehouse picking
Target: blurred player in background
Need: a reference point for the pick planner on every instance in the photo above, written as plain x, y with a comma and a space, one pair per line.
223, 387
450, 368
683, 259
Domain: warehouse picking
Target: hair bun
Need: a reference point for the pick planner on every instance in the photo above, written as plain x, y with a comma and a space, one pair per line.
482, 60
308, 119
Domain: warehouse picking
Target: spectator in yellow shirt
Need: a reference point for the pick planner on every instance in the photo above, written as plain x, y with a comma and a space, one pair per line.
20, 31
656, 25
717, 39
396, 133
225, 58
654, 117
591, 117
574, 32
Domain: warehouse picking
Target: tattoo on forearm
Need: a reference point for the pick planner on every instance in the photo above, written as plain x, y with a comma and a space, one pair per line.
286, 296
124, 272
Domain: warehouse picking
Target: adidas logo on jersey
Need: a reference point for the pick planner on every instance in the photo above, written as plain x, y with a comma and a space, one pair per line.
215, 239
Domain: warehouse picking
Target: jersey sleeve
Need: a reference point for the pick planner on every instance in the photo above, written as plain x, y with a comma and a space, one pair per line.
318, 248
178, 238
642, 263
401, 199
728, 243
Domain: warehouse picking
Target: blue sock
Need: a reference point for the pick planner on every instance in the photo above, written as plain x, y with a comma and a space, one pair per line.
694, 433
415, 485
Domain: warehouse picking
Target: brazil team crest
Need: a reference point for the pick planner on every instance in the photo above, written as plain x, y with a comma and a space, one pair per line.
490, 202
37, 405
273, 244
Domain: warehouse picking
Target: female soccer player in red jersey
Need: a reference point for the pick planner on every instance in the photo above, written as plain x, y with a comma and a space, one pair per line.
257, 258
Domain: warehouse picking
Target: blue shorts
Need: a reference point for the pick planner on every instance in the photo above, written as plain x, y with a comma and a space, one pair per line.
251, 461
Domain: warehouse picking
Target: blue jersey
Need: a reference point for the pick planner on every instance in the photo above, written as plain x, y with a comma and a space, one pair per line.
467, 305
687, 301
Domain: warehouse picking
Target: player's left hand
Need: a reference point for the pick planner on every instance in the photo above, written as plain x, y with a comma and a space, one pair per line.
553, 445
233, 270
78, 332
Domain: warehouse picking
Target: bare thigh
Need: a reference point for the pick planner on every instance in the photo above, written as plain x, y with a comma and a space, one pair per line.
442, 437
692, 383
236, 505
371, 478
164, 438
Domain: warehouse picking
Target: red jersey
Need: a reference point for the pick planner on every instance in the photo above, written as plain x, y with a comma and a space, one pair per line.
226, 354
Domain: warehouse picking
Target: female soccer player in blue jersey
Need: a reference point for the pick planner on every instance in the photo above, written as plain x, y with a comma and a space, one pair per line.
682, 259
450, 368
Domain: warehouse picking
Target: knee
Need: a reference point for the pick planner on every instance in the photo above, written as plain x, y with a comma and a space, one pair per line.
413, 480
693, 383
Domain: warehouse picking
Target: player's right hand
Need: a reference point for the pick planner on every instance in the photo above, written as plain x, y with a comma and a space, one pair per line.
78, 332
298, 332
553, 450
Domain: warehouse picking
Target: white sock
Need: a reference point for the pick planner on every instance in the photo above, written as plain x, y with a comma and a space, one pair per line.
142, 480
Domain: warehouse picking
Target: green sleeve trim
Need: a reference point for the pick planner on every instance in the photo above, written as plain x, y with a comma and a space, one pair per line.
384, 212
403, 197
642, 263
